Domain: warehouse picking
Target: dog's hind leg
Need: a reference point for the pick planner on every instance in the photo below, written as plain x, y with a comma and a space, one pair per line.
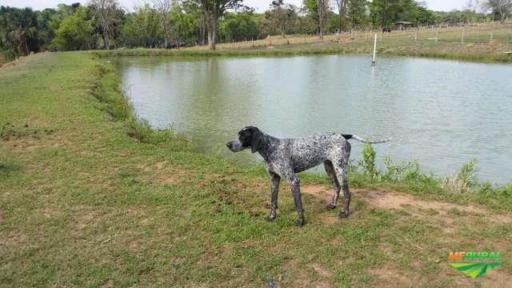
329, 169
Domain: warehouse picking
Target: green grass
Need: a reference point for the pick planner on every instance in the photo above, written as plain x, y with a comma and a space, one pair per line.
476, 46
479, 52
91, 197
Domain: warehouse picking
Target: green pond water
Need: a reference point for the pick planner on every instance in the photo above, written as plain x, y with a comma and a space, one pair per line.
441, 113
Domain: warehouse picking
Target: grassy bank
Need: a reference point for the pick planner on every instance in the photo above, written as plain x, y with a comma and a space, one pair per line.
91, 197
446, 50
484, 43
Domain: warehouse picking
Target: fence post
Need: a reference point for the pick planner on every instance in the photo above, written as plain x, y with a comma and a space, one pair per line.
374, 49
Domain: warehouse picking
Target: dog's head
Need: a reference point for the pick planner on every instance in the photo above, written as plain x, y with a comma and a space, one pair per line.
249, 136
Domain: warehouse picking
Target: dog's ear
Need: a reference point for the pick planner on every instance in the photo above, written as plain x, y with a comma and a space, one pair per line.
257, 140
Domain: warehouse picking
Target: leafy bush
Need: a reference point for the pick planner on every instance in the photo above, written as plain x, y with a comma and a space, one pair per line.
464, 180
368, 162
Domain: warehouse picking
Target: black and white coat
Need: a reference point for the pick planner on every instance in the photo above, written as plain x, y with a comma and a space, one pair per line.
286, 157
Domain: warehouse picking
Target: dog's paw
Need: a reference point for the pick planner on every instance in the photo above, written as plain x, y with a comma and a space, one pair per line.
270, 218
330, 206
343, 213
300, 222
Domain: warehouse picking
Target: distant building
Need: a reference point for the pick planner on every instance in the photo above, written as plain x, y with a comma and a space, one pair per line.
403, 25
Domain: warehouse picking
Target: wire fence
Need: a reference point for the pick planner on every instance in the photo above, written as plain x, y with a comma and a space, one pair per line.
494, 33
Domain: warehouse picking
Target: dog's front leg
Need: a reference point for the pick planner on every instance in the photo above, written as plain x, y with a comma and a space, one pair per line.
274, 189
295, 184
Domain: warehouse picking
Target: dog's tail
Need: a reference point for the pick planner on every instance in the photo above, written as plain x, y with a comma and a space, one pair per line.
350, 136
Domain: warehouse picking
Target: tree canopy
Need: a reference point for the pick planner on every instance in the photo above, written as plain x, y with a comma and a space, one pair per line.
103, 24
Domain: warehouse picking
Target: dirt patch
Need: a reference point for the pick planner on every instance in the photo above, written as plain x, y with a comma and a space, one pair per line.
50, 212
317, 190
412, 205
10, 132
329, 218
390, 277
310, 275
393, 200
13, 239
496, 278
108, 284
446, 216
321, 271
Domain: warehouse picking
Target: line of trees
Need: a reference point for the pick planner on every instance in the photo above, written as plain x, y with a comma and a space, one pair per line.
103, 24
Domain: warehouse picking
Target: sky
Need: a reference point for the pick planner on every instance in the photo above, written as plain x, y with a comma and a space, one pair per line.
260, 5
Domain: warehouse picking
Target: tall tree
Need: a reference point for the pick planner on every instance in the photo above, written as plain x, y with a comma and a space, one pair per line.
385, 12
107, 17
186, 23
279, 17
75, 32
142, 28
323, 14
19, 31
342, 12
239, 26
164, 8
357, 12
318, 10
501, 9
211, 11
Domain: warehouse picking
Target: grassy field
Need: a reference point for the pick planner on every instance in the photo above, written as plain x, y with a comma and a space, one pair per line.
89, 197
482, 43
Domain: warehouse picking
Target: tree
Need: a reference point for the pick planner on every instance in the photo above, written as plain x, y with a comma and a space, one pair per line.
142, 28
164, 8
279, 19
425, 16
500, 9
186, 23
342, 12
19, 31
211, 11
107, 16
357, 12
386, 12
323, 14
239, 26
75, 32
318, 10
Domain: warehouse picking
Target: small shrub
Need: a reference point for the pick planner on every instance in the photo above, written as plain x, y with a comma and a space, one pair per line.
464, 180
396, 172
368, 162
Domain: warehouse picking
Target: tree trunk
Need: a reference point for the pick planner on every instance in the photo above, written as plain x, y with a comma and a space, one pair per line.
106, 40
212, 33
342, 13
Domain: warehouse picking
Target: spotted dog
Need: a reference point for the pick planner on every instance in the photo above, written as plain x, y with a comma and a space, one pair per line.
286, 157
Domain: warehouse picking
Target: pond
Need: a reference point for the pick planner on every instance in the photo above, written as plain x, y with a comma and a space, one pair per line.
441, 113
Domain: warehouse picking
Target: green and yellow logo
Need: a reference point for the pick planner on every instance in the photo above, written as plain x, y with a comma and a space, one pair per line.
474, 264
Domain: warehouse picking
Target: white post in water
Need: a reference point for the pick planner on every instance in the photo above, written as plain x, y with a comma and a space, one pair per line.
374, 49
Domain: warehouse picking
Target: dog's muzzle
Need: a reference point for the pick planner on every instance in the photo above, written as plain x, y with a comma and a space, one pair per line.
235, 146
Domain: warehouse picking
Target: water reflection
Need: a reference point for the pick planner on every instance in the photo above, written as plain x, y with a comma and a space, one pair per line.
442, 113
